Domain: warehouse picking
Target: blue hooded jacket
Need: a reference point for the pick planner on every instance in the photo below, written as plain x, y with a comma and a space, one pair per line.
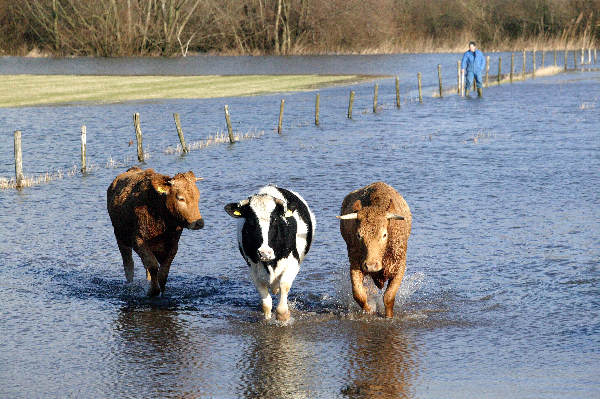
473, 62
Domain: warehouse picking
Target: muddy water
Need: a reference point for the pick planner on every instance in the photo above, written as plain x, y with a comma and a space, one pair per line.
500, 298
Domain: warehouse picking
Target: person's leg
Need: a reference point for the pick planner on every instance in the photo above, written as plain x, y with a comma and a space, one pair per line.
479, 83
468, 82
478, 80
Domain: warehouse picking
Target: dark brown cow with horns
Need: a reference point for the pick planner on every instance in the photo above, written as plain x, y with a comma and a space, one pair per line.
375, 223
148, 212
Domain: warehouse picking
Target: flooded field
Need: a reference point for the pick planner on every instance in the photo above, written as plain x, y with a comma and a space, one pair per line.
500, 298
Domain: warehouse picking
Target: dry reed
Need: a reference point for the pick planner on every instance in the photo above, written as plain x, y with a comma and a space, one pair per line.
481, 136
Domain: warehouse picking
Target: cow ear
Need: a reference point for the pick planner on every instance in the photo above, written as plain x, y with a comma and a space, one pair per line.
162, 187
390, 205
190, 176
357, 206
290, 210
234, 210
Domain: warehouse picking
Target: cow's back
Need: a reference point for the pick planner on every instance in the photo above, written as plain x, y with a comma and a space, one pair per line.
128, 191
306, 216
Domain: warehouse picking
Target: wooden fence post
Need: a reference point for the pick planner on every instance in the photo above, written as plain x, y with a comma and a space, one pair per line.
499, 69
575, 58
566, 59
582, 57
180, 133
589, 55
375, 92
83, 149
512, 66
18, 160
420, 92
280, 116
487, 70
397, 92
138, 136
543, 59
440, 79
350, 102
458, 78
317, 104
555, 57
229, 128
533, 63
595, 59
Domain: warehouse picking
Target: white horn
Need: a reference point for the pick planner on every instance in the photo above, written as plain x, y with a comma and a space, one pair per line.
394, 216
349, 216
199, 178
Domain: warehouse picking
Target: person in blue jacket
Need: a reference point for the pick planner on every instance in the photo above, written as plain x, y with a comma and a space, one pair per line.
473, 63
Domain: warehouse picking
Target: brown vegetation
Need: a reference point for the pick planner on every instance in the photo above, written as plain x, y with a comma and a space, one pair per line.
175, 27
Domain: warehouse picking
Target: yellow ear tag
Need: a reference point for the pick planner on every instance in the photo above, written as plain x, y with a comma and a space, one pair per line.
288, 214
237, 213
161, 190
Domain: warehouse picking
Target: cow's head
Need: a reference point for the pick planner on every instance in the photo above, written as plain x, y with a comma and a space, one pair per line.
269, 228
372, 225
181, 196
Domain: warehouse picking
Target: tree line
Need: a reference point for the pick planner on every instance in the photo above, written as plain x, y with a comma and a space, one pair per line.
178, 27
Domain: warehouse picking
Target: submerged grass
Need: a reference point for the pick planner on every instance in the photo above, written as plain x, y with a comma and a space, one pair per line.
29, 90
30, 181
219, 138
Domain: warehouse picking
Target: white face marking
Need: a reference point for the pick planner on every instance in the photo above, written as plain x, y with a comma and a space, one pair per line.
263, 206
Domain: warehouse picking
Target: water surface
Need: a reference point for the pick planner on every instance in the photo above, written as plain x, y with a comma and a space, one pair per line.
500, 298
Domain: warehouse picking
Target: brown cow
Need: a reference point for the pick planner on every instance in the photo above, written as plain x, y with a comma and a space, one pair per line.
148, 212
375, 223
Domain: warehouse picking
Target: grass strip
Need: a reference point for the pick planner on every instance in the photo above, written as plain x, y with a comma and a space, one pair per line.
32, 90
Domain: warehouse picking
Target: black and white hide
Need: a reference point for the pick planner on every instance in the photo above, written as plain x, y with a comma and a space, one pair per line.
275, 230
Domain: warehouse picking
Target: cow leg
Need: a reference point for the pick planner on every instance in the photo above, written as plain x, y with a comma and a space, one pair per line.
285, 284
389, 297
151, 265
267, 302
358, 289
263, 291
163, 272
126, 254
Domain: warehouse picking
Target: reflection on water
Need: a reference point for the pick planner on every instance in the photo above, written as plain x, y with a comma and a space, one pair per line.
277, 363
156, 339
380, 361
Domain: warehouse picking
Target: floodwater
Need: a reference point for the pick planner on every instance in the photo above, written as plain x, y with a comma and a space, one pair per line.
500, 298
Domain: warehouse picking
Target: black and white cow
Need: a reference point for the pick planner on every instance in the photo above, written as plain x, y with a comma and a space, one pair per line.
275, 230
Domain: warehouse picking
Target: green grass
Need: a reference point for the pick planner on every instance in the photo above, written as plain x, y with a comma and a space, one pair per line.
29, 90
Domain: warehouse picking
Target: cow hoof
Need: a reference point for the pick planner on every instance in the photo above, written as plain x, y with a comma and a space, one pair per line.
283, 316
153, 291
368, 310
